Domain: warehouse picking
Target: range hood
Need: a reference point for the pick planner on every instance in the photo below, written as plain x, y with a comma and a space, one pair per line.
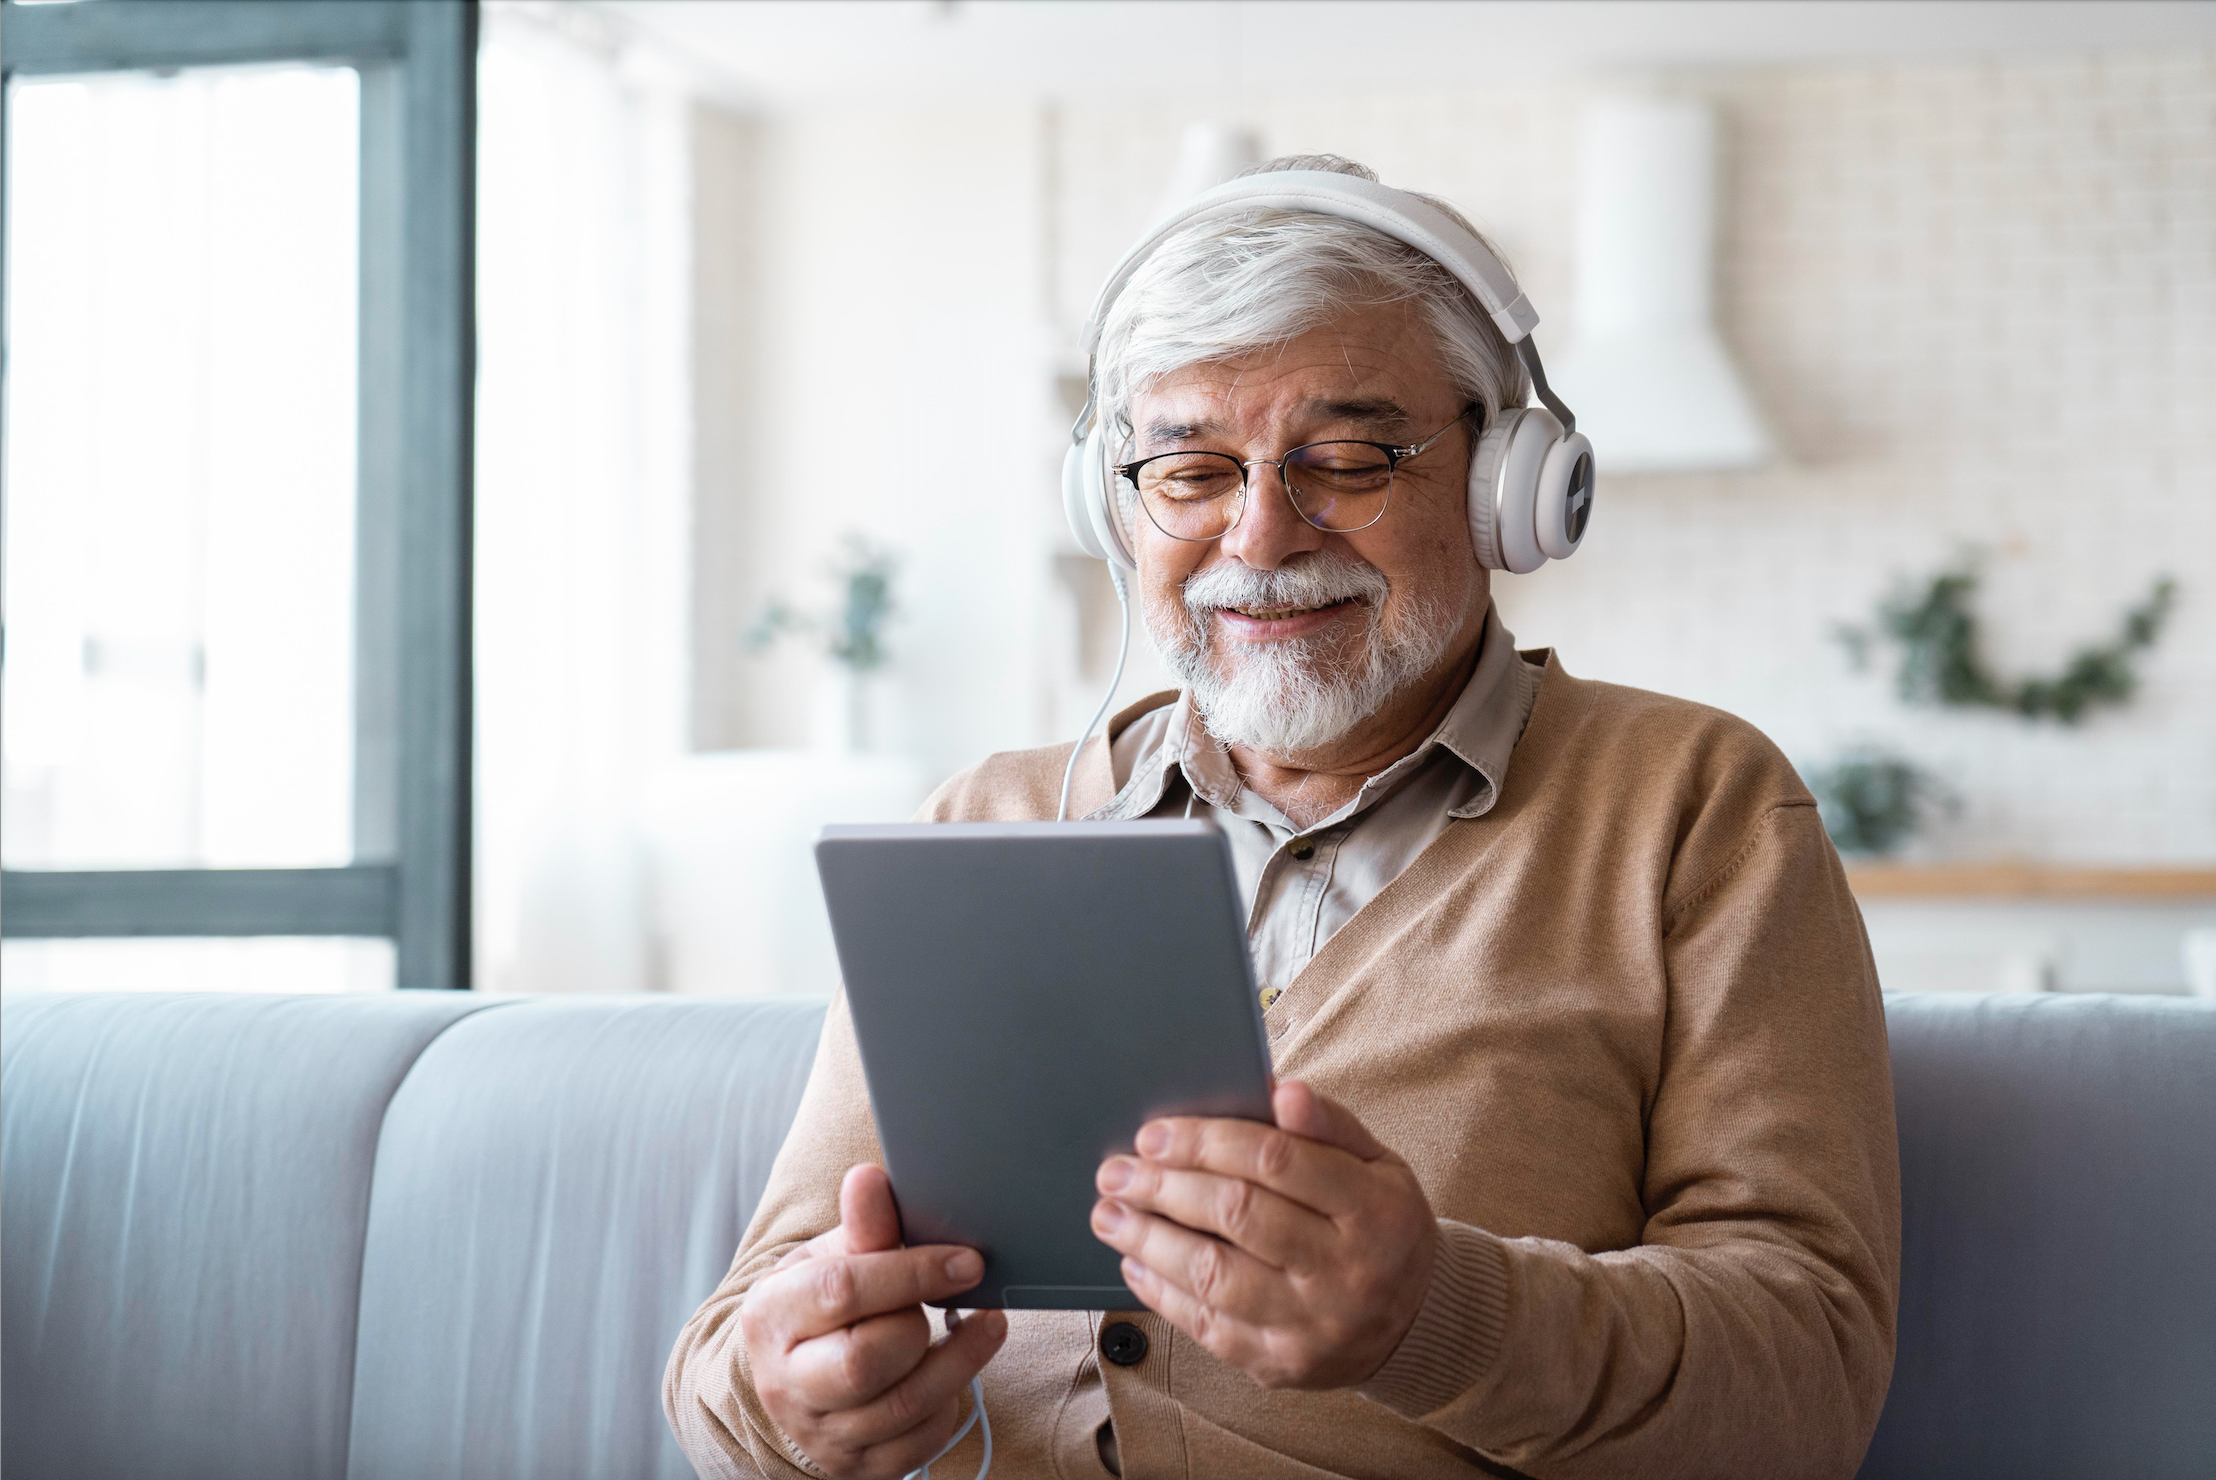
1648, 376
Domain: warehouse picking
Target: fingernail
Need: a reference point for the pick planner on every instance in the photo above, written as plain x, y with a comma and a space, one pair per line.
1133, 1272
1108, 1215
1115, 1174
1154, 1138
965, 1266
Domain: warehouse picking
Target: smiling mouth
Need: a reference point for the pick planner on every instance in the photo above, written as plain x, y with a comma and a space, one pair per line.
1283, 613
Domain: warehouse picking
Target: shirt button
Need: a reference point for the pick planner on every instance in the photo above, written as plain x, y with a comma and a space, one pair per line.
1304, 849
1123, 1343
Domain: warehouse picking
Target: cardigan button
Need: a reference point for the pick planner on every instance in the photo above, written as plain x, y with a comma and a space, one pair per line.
1123, 1343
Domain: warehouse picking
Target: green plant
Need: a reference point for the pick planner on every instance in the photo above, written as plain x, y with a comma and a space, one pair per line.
1872, 801
1940, 662
852, 631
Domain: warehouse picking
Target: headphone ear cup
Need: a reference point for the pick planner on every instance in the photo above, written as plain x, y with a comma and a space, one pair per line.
1102, 503
1079, 475
1505, 474
1088, 502
1565, 504
1485, 462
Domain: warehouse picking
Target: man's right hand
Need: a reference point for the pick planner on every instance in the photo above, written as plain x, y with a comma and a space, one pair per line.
841, 1350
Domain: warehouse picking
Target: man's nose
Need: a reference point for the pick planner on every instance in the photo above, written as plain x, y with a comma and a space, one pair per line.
1270, 530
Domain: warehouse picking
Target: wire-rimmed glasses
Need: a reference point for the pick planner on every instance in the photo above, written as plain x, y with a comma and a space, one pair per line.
1338, 487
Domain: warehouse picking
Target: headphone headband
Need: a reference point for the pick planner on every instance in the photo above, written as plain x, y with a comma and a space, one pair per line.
1397, 213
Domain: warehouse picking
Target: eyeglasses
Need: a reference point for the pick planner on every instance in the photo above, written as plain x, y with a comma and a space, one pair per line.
1338, 487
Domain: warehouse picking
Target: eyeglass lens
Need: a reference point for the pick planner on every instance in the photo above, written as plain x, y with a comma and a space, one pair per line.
1336, 486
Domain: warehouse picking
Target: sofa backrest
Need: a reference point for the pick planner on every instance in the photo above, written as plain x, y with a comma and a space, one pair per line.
558, 1188
2058, 1272
185, 1182
444, 1235
302, 1238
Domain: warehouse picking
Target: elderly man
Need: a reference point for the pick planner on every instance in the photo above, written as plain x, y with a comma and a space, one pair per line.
1584, 1157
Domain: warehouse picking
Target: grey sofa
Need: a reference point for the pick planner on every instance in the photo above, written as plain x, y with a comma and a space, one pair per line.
426, 1235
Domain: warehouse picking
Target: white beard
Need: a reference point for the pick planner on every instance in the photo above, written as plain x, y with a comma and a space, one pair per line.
1290, 698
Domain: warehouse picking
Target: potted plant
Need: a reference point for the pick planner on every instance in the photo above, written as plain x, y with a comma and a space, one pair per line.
850, 631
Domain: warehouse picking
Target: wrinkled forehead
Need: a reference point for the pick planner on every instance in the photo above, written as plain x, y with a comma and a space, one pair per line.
1376, 368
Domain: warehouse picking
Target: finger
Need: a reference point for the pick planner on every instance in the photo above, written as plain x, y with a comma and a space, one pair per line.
869, 1223
1268, 1225
927, 1393
1315, 1175
910, 1452
1229, 1339
853, 1365
813, 1249
1227, 1280
1302, 1111
830, 1242
866, 1210
821, 1295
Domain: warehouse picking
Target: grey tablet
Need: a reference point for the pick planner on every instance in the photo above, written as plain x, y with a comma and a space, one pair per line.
1026, 996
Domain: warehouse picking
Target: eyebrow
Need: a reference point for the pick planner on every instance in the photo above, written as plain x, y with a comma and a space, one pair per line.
1382, 415
1381, 412
1179, 431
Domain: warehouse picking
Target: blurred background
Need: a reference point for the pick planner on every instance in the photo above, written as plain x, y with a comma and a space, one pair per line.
1894, 326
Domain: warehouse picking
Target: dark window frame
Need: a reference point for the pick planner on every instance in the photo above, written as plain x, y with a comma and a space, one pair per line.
413, 822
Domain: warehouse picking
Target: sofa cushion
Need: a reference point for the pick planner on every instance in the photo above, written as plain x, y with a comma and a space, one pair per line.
188, 1182
559, 1186
2058, 1188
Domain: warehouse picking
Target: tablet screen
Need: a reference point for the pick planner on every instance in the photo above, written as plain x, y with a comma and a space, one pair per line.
1026, 996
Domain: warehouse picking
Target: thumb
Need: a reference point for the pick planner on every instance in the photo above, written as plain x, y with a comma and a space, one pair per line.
867, 1215
1302, 1111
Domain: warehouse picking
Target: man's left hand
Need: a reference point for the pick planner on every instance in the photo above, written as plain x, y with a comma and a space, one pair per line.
1299, 1253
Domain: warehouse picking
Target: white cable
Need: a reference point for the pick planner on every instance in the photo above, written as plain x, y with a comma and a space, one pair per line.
977, 1416
1123, 651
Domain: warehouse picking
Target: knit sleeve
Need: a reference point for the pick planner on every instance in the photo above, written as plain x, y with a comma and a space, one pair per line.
708, 1389
1750, 1331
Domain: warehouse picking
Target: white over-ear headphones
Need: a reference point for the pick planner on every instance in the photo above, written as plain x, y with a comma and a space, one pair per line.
1531, 477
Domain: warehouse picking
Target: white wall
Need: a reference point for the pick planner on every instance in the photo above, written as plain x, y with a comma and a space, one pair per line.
902, 383
1979, 302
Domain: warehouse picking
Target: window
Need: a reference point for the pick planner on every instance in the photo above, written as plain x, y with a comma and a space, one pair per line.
237, 453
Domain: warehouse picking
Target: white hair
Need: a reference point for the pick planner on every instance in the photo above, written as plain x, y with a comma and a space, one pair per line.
1252, 280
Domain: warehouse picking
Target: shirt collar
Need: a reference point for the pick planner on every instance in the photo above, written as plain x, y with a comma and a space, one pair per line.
1482, 728
1480, 732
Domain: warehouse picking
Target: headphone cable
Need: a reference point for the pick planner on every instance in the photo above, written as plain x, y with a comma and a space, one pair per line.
976, 1417
1123, 651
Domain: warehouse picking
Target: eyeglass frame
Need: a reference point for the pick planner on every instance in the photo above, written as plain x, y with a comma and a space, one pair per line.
1395, 455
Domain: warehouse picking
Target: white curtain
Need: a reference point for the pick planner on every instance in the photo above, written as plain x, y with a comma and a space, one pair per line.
583, 433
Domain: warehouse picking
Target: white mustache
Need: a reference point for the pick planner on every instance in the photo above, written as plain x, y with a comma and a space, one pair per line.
1319, 579
1289, 698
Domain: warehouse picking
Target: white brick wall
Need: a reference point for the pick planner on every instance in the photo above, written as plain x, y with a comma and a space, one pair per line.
1979, 304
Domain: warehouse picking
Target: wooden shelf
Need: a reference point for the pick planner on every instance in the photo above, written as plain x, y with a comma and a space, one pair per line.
2028, 881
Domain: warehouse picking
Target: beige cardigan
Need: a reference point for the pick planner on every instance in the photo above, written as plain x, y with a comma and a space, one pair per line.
1626, 1029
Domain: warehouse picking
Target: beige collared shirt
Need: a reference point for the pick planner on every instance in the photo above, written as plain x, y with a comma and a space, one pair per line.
1301, 885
